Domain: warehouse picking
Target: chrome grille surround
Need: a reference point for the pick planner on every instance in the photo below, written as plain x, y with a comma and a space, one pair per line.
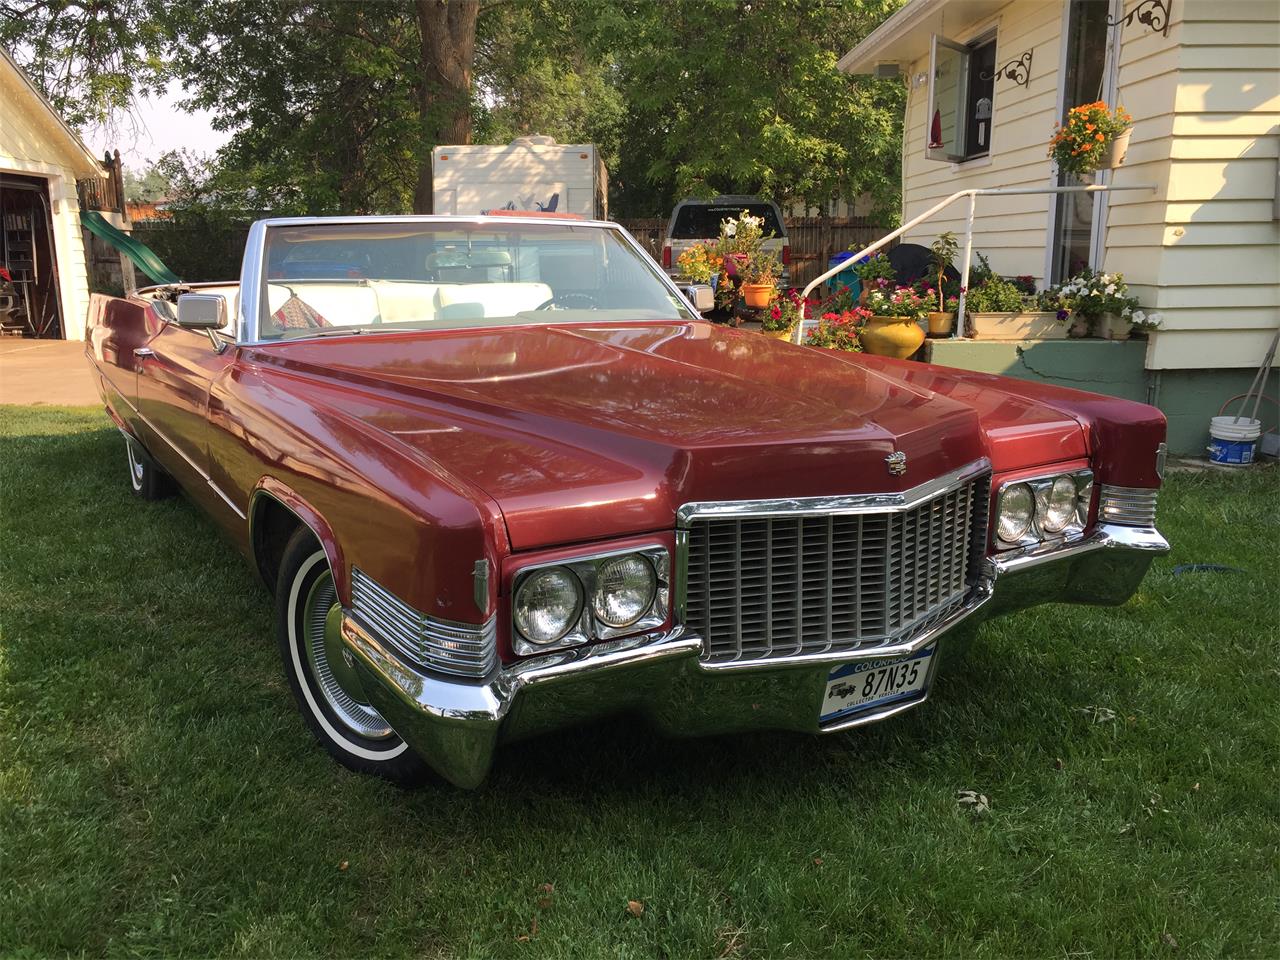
461, 649
1128, 506
817, 577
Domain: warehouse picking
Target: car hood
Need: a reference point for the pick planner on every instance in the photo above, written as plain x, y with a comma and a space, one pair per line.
582, 432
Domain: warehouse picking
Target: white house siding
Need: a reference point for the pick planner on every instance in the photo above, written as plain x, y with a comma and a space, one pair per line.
1011, 231
30, 144
1205, 249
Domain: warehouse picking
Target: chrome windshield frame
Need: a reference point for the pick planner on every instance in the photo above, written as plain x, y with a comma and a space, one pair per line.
253, 268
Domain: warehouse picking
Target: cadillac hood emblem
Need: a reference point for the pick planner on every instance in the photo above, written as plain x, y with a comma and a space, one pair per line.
897, 463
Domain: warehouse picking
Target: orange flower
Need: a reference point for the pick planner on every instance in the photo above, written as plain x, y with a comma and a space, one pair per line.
1100, 137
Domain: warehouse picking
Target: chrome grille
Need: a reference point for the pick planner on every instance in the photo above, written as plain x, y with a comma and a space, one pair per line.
464, 649
1128, 506
787, 584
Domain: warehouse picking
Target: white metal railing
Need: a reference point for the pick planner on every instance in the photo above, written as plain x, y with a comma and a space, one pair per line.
973, 195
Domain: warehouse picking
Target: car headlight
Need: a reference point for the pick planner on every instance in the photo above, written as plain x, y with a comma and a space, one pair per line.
1059, 506
583, 599
1040, 508
1015, 512
625, 588
547, 604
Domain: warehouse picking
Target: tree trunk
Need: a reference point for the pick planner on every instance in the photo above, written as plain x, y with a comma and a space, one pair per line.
447, 31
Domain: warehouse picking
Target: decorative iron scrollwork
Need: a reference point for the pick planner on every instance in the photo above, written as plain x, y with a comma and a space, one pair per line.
1019, 71
1156, 14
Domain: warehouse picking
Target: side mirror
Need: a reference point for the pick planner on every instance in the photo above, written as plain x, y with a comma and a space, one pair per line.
202, 311
701, 296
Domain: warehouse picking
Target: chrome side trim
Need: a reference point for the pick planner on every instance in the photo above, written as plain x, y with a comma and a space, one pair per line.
834, 505
191, 463
1103, 537
1128, 506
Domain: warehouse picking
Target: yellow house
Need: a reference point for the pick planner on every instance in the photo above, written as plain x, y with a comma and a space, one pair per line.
987, 80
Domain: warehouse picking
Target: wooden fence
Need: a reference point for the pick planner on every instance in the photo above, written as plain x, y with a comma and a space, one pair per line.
814, 240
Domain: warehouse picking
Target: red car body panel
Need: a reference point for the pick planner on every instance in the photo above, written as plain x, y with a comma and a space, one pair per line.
415, 454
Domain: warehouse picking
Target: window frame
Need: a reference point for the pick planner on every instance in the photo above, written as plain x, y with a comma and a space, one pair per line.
985, 35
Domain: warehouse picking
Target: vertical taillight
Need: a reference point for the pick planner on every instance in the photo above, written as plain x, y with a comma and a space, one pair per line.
666, 255
786, 254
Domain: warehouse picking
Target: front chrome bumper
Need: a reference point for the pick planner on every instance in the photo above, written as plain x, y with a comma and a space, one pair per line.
456, 725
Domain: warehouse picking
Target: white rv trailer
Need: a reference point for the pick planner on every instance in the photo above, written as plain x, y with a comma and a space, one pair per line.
530, 173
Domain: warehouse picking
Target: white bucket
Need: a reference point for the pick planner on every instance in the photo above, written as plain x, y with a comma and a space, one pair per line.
1232, 439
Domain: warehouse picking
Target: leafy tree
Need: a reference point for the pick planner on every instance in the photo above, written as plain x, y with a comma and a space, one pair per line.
744, 97
148, 186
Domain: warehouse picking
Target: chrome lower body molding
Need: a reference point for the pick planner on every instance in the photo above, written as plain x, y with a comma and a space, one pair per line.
457, 725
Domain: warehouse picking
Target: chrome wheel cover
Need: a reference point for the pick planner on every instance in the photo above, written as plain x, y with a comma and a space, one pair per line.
327, 659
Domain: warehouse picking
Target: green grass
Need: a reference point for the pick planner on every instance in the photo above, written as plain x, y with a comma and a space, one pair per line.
159, 795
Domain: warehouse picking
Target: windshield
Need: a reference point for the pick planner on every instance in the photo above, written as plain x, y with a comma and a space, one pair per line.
701, 221
397, 275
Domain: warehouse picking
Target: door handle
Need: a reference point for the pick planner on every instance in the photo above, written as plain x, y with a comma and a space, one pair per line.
142, 352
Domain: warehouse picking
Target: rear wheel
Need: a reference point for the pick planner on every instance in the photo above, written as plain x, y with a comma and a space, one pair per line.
321, 671
147, 480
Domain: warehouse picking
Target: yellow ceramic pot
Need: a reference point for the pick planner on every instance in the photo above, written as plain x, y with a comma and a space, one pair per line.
757, 295
891, 337
779, 334
940, 324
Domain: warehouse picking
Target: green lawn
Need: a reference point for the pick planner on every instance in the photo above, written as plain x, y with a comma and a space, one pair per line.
160, 796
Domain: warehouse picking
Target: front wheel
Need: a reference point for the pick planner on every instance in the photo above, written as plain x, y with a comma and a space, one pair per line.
322, 675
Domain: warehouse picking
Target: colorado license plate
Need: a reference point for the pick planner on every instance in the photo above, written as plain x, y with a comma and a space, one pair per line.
867, 685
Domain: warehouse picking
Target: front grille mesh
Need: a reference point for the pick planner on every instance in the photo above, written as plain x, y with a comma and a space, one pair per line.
1128, 506
788, 585
462, 649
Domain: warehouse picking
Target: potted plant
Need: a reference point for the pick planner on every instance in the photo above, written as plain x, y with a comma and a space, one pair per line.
999, 309
1102, 306
780, 320
839, 330
701, 264
877, 273
941, 254
893, 329
741, 247
1093, 137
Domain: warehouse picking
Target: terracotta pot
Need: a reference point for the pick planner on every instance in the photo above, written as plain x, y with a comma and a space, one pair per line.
757, 295
891, 337
941, 324
1113, 156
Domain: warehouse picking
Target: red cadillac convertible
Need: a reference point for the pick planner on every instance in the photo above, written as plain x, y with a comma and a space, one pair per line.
502, 478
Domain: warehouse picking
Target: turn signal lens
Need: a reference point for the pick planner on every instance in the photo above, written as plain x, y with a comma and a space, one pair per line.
547, 605
1015, 513
1059, 508
625, 588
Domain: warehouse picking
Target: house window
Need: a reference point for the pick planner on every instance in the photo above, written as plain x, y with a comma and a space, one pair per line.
961, 94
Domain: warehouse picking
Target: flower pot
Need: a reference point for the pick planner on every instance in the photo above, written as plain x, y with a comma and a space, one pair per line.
1079, 328
1113, 156
779, 334
1114, 327
892, 337
941, 324
1017, 325
757, 295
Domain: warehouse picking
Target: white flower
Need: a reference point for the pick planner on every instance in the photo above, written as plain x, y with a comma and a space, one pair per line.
1111, 288
1097, 293
1139, 316
1126, 311
729, 227
1155, 318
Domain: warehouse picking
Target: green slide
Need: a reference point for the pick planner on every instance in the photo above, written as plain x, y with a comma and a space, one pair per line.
143, 256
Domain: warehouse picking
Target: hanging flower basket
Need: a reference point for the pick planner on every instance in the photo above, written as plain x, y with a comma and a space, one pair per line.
1089, 140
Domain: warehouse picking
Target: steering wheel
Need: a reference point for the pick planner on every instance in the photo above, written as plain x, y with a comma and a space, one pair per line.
569, 301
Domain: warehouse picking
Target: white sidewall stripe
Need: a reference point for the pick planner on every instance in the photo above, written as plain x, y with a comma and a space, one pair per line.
334, 734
